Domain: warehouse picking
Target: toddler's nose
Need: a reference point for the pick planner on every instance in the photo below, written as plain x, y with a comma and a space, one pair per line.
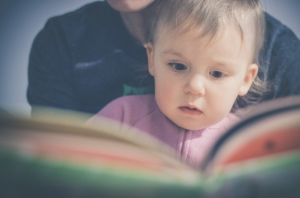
195, 86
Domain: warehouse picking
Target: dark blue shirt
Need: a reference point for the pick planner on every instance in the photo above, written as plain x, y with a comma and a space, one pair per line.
84, 59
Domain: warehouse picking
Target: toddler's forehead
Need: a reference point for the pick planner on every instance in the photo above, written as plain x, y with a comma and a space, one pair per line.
197, 32
195, 35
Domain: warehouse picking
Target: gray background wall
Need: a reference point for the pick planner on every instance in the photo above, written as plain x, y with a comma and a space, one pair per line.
20, 21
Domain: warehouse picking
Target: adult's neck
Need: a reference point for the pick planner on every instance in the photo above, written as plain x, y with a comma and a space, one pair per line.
134, 23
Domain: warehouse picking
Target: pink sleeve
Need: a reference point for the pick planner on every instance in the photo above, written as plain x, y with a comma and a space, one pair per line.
128, 109
114, 111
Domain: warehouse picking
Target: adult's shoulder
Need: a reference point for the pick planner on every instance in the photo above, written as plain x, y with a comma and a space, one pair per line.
76, 36
81, 35
276, 30
98, 12
88, 21
281, 59
279, 40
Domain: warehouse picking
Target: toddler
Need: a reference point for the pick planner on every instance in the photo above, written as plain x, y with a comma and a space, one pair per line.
203, 55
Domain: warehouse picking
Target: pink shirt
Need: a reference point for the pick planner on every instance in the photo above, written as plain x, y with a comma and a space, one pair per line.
142, 112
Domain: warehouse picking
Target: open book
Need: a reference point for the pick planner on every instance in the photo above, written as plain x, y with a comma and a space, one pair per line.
57, 156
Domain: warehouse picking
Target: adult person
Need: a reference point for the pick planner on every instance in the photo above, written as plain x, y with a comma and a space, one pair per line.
84, 59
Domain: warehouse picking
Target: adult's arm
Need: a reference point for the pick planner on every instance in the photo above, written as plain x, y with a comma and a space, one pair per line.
50, 79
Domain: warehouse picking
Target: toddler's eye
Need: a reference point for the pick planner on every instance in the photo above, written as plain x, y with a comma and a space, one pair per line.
216, 74
178, 66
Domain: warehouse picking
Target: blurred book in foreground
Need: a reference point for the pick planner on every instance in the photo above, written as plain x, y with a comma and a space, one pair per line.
58, 156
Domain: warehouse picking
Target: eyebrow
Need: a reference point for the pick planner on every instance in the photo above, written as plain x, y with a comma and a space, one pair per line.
218, 61
225, 62
170, 51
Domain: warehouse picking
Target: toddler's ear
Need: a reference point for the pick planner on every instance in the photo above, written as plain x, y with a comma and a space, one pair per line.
249, 77
150, 55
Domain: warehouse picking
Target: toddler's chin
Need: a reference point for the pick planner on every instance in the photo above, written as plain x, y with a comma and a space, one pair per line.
190, 126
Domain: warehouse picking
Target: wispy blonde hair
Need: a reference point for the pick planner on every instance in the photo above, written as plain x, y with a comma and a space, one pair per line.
209, 16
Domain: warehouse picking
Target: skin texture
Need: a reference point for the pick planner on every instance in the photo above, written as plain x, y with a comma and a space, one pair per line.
197, 79
129, 5
130, 11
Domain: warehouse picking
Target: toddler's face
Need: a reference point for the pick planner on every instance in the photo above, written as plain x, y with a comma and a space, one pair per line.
197, 80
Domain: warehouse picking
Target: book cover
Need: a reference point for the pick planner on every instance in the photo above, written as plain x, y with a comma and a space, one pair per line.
56, 155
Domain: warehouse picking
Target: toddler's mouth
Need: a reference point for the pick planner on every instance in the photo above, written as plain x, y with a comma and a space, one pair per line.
190, 110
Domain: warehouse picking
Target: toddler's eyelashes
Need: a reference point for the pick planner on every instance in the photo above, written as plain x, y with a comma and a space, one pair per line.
216, 74
178, 66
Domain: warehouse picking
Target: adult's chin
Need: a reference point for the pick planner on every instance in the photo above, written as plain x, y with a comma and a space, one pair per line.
129, 5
